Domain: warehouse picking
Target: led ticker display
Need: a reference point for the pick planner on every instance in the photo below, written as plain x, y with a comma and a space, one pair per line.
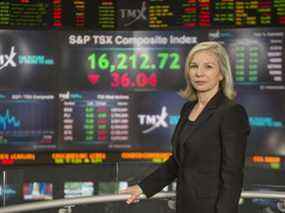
27, 121
162, 14
106, 14
78, 158
141, 14
266, 161
56, 13
24, 13
56, 158
196, 13
7, 159
158, 157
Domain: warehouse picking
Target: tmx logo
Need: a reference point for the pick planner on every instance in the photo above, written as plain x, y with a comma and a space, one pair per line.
136, 14
6, 60
155, 121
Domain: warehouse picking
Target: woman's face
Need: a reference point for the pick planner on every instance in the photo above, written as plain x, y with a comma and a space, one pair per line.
204, 71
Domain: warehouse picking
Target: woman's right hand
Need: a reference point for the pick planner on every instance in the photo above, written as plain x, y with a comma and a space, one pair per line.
135, 192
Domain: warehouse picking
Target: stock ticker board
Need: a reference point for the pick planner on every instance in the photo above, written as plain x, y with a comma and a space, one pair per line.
140, 14
155, 60
78, 96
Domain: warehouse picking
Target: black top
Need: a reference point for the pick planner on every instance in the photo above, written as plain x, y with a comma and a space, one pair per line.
184, 135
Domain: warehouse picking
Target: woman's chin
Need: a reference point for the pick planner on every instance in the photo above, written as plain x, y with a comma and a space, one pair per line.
201, 89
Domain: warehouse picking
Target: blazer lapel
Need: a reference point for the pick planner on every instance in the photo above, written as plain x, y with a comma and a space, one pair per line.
180, 124
207, 112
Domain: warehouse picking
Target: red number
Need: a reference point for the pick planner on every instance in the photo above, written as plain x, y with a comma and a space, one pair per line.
153, 80
141, 79
125, 80
115, 80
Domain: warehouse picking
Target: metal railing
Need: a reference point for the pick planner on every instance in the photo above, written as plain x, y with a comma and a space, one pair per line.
121, 197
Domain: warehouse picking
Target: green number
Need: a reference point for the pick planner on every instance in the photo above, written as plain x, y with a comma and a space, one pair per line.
163, 59
133, 59
103, 62
89, 115
102, 126
89, 121
174, 65
89, 132
145, 62
92, 59
89, 109
122, 61
89, 138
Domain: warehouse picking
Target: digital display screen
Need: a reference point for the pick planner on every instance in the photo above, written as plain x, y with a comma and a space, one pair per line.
27, 121
28, 61
8, 191
143, 61
105, 188
38, 191
256, 56
130, 121
267, 120
116, 61
95, 121
24, 13
78, 189
117, 91
140, 14
156, 117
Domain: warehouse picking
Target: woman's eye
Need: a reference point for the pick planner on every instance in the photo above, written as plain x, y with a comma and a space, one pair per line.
209, 66
192, 66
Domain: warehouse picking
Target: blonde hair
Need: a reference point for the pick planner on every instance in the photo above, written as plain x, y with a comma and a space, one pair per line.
226, 85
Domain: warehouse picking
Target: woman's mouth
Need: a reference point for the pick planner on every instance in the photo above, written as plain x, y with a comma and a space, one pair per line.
200, 82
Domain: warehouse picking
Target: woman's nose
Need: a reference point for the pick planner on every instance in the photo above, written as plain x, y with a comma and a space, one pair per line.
199, 71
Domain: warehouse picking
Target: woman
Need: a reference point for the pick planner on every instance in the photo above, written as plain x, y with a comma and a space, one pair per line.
209, 141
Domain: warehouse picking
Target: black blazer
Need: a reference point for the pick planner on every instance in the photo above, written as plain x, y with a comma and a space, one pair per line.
209, 167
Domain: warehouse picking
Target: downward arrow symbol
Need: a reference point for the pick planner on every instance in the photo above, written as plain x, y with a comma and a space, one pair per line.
93, 78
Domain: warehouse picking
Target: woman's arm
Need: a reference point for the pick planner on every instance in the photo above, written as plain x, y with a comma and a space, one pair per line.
234, 131
167, 172
160, 178
163, 175
153, 183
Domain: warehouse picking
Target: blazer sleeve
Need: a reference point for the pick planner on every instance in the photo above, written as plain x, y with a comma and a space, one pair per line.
160, 178
234, 131
166, 173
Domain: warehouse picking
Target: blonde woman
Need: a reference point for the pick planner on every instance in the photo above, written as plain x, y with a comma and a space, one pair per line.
209, 140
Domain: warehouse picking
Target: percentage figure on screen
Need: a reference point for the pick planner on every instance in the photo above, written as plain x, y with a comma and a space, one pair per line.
140, 80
